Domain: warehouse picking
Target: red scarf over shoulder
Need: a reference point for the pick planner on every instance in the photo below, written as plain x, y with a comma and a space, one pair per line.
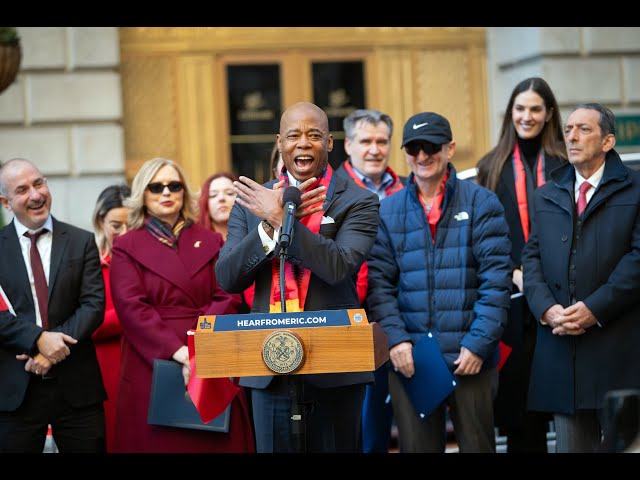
296, 280
521, 187
362, 283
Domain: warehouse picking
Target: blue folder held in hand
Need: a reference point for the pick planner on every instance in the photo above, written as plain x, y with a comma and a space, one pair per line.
170, 404
432, 381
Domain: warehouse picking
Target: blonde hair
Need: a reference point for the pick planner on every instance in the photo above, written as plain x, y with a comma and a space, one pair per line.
135, 203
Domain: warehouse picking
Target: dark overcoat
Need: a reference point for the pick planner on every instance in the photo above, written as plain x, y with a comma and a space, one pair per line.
603, 248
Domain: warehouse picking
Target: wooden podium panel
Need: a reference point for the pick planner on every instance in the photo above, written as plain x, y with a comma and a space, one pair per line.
357, 347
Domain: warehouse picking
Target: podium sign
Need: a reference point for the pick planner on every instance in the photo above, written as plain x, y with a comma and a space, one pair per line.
333, 341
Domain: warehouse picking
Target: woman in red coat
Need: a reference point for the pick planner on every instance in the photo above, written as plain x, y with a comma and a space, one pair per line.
109, 221
162, 280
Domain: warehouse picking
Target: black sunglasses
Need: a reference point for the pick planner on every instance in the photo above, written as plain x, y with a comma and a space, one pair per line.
158, 187
413, 148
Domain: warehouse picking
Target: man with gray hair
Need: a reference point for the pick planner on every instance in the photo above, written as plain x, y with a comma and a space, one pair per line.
368, 144
582, 281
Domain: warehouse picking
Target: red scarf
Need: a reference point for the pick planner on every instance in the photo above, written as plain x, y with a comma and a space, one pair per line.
392, 188
209, 395
296, 282
4, 302
362, 283
521, 187
435, 211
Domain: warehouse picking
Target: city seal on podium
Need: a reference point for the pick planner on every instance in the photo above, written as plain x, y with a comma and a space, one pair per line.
282, 351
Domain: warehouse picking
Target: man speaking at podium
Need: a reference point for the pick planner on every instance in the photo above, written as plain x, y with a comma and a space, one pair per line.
330, 241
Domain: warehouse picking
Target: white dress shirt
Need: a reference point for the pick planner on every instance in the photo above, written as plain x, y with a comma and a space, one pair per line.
594, 180
268, 243
44, 247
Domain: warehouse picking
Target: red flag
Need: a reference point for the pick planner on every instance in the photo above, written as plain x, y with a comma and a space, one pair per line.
5, 305
210, 395
505, 351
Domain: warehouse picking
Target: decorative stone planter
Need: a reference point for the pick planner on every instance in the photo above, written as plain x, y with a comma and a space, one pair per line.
10, 58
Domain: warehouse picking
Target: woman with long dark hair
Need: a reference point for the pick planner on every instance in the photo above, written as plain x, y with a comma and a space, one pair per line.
530, 146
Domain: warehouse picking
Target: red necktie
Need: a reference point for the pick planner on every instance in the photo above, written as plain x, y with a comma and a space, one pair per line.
582, 198
42, 290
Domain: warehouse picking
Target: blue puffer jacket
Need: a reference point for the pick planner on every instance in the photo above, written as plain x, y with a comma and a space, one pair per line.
458, 288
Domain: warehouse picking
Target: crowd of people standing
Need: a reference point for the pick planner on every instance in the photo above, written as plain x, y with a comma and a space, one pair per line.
523, 281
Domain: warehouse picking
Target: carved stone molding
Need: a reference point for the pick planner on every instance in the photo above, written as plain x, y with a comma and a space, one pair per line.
226, 39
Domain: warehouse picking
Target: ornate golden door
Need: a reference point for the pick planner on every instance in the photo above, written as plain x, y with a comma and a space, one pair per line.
211, 98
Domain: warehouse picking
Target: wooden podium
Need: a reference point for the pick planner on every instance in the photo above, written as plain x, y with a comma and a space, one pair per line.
333, 341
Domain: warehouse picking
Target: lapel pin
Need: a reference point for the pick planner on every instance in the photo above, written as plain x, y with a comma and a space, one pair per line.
197, 244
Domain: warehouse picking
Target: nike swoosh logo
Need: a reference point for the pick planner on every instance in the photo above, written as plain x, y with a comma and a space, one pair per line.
415, 127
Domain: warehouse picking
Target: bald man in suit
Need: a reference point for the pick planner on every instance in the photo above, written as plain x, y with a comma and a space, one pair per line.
328, 248
49, 372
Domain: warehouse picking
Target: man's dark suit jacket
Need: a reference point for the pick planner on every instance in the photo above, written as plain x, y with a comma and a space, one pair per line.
334, 257
76, 307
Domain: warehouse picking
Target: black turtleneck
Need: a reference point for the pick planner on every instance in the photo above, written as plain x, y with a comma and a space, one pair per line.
529, 149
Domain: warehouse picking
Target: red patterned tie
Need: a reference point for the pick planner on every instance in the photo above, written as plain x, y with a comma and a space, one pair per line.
582, 198
42, 290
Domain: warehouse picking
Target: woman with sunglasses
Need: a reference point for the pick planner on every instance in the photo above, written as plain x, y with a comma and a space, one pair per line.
162, 280
530, 146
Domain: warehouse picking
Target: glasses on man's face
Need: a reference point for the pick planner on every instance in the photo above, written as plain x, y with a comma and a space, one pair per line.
413, 148
158, 187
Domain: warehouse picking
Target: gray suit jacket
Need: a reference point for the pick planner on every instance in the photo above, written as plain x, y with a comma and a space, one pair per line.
334, 257
76, 307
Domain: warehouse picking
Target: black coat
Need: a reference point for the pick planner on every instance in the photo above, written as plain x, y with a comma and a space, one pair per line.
520, 332
575, 372
506, 192
76, 307
334, 256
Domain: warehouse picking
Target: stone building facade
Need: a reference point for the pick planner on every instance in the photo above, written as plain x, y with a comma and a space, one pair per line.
65, 110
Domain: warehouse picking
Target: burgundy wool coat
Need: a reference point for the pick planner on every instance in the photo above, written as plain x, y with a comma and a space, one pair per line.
159, 293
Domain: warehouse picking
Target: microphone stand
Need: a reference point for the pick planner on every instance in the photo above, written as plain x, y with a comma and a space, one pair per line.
296, 387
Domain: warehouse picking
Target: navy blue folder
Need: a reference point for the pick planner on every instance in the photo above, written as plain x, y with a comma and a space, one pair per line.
432, 381
170, 404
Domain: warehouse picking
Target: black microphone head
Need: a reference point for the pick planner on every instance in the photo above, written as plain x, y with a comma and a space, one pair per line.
292, 194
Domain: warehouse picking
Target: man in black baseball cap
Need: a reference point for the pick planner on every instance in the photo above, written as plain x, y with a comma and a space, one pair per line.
427, 126
440, 269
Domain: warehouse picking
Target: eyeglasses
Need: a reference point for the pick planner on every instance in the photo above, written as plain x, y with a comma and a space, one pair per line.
413, 148
158, 187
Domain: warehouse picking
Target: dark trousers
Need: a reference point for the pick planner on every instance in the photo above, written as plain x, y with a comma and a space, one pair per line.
526, 431
530, 436
332, 421
377, 414
471, 409
75, 429
578, 433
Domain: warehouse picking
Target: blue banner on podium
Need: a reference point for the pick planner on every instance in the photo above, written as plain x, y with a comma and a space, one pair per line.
267, 321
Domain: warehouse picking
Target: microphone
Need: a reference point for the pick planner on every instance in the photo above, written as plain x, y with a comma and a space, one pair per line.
291, 198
